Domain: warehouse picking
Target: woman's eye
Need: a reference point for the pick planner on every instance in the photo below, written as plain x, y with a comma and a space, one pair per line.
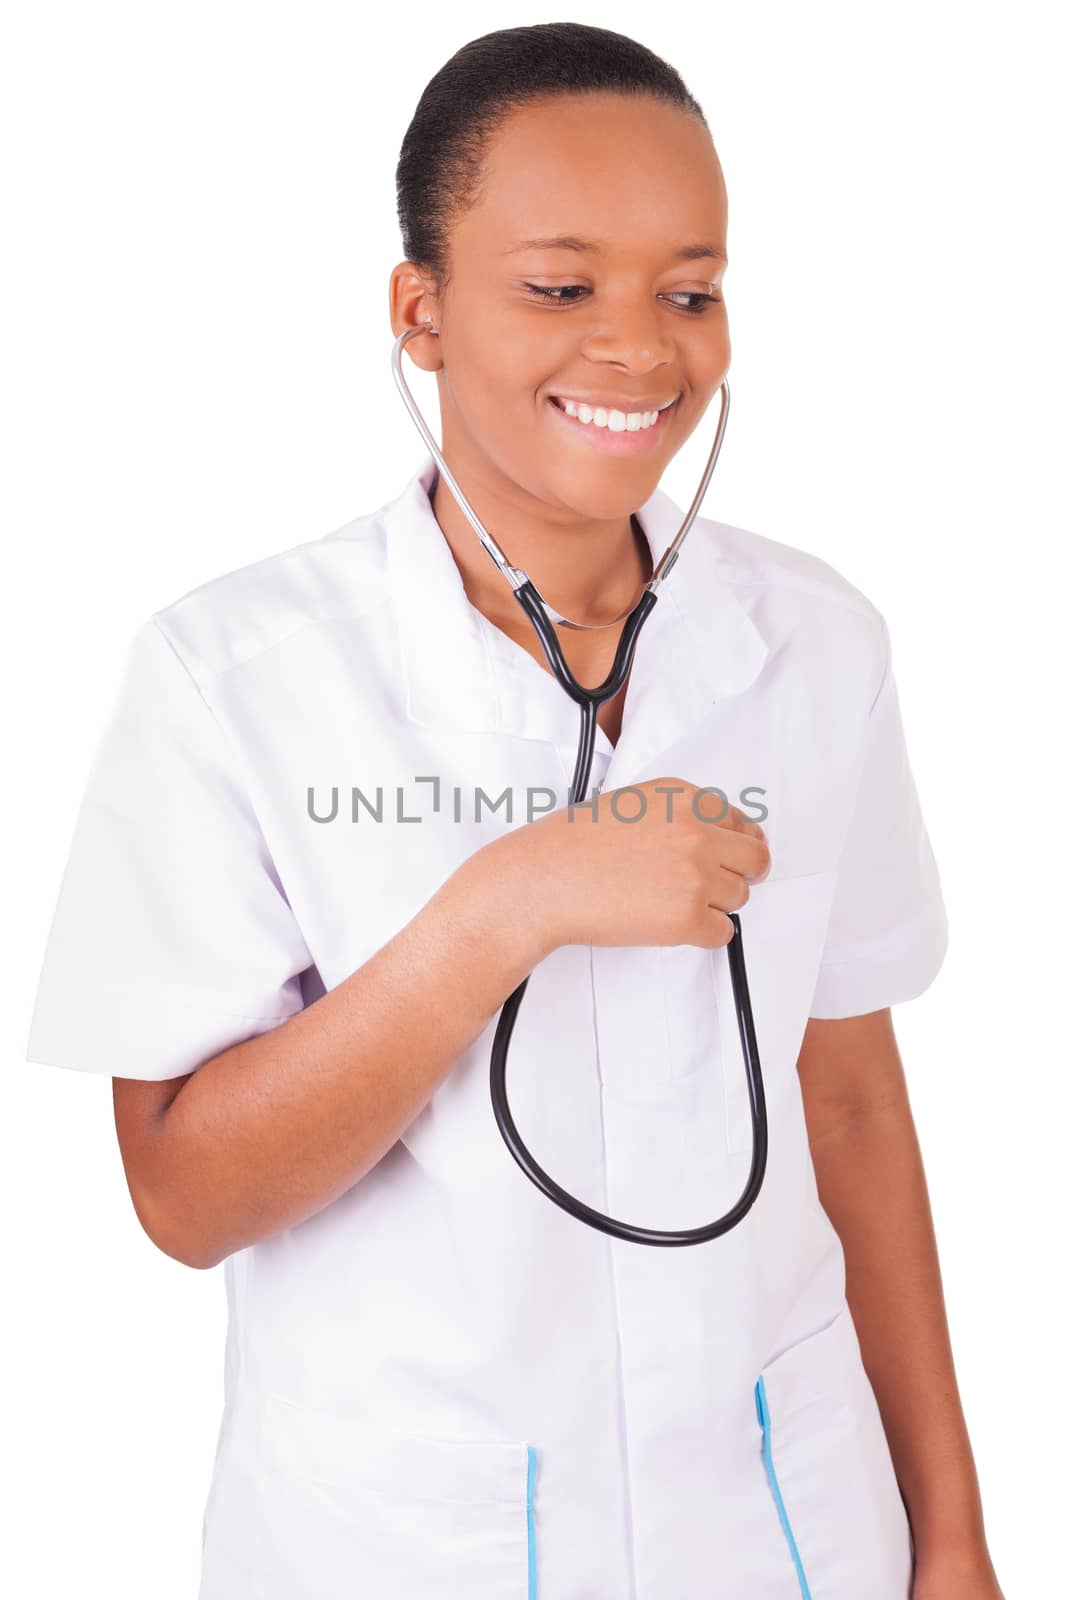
555, 291
691, 294
567, 293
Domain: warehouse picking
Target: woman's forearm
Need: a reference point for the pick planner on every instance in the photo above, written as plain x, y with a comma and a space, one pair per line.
872, 1185
276, 1127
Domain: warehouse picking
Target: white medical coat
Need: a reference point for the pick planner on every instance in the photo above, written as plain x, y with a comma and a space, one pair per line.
442, 1384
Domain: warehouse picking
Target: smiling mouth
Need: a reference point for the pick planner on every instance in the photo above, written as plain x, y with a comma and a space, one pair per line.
597, 417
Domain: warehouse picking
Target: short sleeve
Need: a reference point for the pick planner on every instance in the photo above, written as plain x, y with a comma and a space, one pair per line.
172, 938
888, 930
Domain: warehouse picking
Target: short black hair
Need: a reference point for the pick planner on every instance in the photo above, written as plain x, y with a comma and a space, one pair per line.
462, 106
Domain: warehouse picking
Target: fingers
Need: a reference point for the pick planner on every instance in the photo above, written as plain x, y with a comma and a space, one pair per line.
740, 845
744, 849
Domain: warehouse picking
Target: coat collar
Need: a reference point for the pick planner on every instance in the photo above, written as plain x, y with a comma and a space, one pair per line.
698, 645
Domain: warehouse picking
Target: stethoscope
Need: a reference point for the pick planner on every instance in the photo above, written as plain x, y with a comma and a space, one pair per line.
589, 701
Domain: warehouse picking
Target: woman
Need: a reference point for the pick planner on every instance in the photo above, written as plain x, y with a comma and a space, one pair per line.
326, 836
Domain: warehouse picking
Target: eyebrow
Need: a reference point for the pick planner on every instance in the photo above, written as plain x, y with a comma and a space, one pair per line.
569, 241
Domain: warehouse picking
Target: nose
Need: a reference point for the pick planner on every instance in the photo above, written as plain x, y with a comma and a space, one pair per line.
634, 335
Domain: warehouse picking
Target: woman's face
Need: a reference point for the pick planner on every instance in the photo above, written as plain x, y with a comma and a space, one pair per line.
628, 315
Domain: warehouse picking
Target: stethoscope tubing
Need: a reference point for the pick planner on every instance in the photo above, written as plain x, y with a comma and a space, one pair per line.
589, 701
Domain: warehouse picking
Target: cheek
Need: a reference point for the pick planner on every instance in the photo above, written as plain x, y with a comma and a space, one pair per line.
707, 367
710, 362
497, 398
503, 358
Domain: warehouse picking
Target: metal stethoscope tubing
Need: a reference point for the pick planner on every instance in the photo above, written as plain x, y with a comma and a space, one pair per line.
542, 616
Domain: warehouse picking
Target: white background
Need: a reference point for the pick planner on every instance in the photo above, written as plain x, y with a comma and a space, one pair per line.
201, 226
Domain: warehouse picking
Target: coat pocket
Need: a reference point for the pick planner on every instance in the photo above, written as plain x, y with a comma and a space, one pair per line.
313, 1506
828, 1469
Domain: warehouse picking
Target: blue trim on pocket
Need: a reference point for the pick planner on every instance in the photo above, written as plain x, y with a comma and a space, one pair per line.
531, 1531
764, 1415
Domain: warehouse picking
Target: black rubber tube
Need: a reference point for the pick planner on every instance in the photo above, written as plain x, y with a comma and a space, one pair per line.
590, 701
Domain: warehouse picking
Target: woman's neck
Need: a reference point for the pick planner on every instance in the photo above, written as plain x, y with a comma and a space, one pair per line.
589, 574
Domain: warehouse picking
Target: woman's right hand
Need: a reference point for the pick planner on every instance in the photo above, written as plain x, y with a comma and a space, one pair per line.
670, 876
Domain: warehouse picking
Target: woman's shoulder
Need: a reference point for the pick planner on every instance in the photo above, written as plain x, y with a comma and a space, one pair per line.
336, 577
754, 561
793, 594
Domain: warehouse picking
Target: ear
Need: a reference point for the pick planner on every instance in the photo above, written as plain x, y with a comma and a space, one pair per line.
411, 305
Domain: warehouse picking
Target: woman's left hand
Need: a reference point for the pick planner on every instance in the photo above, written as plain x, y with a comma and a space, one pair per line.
954, 1577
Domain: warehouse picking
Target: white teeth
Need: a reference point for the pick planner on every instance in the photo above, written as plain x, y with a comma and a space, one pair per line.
616, 421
